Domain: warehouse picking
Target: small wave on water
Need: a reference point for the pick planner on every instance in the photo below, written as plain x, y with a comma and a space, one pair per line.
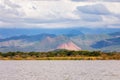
59, 70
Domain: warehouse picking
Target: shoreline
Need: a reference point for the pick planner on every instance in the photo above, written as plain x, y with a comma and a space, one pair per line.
61, 58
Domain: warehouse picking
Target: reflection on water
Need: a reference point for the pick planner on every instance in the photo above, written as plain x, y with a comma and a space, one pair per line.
59, 70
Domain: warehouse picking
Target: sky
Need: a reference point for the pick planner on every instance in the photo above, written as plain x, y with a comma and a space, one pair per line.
59, 13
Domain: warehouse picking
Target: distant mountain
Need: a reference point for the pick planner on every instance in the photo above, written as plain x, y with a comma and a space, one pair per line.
110, 44
107, 42
6, 33
41, 42
69, 46
72, 40
115, 34
28, 38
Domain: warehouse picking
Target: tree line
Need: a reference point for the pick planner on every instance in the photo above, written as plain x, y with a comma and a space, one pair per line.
60, 53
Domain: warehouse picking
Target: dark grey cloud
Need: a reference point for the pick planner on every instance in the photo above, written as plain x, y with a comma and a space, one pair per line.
117, 15
95, 13
97, 9
90, 18
92, 13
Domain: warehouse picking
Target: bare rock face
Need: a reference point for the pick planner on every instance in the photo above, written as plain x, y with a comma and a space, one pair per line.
69, 46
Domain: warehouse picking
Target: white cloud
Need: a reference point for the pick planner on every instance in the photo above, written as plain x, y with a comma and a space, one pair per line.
57, 14
96, 0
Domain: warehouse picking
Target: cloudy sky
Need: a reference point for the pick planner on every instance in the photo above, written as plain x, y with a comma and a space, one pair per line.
59, 13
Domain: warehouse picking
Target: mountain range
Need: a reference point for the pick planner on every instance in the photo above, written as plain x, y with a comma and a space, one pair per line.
106, 39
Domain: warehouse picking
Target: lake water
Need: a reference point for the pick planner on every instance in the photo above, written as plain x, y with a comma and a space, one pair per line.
59, 70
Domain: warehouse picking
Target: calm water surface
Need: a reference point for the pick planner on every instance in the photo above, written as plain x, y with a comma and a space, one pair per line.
59, 70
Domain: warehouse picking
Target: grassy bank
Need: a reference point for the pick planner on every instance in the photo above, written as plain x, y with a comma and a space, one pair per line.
60, 58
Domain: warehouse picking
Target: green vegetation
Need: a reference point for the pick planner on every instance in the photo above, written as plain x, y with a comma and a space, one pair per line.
61, 55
